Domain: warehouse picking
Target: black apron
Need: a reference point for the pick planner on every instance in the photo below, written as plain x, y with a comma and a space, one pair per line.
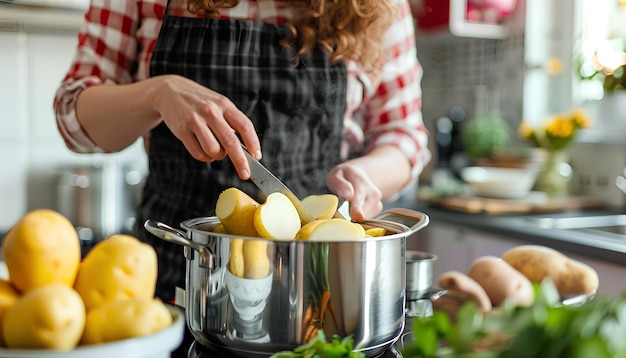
297, 111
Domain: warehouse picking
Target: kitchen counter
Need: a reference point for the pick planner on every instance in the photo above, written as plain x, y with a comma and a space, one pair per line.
595, 244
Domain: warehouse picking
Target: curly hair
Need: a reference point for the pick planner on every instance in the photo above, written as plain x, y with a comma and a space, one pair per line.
347, 29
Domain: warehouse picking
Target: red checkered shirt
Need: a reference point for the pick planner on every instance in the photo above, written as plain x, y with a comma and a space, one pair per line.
116, 41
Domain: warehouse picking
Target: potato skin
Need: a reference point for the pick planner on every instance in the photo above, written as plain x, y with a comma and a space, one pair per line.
41, 248
571, 277
48, 317
458, 282
125, 319
118, 267
502, 281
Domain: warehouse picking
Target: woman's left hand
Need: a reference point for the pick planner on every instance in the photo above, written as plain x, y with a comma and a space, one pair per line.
350, 182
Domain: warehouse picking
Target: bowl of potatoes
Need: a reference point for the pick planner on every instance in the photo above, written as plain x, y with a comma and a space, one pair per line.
55, 303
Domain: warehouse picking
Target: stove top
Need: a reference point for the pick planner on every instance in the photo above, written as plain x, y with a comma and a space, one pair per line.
197, 350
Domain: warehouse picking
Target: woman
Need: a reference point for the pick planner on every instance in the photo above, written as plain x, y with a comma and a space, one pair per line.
328, 89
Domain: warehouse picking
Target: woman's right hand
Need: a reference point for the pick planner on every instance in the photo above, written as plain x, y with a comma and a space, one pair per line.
205, 121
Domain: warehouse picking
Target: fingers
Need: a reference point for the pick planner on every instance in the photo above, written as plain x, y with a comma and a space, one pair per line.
209, 128
352, 184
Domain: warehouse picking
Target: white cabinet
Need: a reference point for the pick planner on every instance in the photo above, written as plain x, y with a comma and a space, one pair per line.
456, 247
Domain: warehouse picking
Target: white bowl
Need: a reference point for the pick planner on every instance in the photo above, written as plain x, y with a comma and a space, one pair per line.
160, 344
496, 182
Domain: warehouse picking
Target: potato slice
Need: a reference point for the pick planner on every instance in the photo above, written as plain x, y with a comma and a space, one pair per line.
235, 209
322, 206
235, 263
277, 218
305, 231
256, 262
375, 232
336, 229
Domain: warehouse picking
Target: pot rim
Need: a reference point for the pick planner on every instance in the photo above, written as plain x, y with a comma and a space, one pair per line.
191, 225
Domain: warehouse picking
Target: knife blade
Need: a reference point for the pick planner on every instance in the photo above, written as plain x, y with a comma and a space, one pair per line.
269, 183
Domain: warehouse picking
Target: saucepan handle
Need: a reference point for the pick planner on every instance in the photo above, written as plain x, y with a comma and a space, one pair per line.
170, 234
414, 220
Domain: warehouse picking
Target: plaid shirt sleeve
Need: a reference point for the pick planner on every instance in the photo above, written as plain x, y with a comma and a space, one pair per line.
391, 110
107, 53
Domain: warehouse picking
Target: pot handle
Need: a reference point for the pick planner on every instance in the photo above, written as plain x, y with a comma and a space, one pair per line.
414, 220
170, 234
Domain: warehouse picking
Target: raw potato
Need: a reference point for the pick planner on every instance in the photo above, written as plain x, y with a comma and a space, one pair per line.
502, 281
256, 262
235, 262
458, 283
119, 267
375, 232
49, 317
41, 248
305, 231
322, 206
277, 218
336, 229
125, 319
8, 296
571, 277
235, 209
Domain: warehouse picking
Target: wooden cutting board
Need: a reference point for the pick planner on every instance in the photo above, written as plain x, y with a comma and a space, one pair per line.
471, 204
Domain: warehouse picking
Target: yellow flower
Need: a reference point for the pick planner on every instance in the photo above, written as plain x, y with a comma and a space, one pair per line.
560, 127
525, 131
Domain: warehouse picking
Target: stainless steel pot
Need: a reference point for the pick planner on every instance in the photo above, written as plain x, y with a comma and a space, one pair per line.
258, 317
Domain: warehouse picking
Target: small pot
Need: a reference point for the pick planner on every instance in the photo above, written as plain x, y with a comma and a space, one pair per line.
258, 317
419, 273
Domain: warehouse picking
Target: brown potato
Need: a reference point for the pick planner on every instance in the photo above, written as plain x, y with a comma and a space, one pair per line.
501, 281
571, 277
458, 283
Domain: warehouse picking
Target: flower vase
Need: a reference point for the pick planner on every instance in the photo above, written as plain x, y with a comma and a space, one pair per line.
556, 174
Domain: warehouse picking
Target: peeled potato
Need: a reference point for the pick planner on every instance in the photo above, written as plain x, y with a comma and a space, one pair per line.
322, 206
335, 229
235, 209
119, 267
235, 262
41, 248
277, 218
8, 296
49, 317
255, 259
125, 319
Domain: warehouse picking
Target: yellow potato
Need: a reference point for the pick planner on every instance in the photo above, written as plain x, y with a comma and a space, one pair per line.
125, 319
49, 317
256, 262
236, 209
305, 231
119, 267
336, 229
322, 206
501, 281
571, 277
235, 262
277, 218
375, 232
8, 296
41, 248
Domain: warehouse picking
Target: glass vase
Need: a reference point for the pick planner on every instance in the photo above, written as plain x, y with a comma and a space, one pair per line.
554, 178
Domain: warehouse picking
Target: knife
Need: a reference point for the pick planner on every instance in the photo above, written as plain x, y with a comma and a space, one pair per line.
268, 183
